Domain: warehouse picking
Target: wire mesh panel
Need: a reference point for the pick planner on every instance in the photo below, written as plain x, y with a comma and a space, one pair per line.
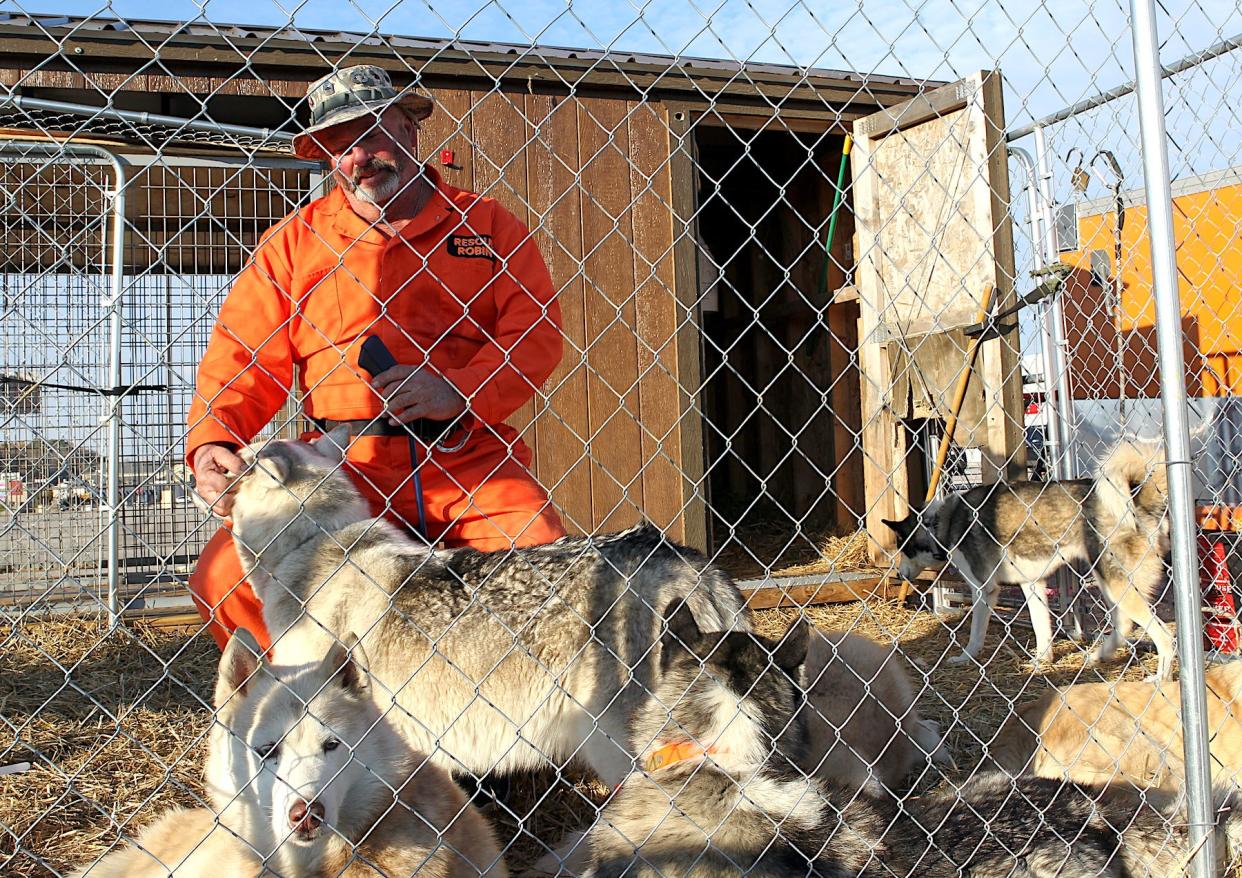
617, 366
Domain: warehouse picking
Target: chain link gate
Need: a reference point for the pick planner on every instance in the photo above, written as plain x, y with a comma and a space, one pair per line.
797, 305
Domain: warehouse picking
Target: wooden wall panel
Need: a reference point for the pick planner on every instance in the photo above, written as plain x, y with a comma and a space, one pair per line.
657, 313
562, 423
613, 404
500, 132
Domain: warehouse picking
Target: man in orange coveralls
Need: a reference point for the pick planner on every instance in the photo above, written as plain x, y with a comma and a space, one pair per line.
453, 285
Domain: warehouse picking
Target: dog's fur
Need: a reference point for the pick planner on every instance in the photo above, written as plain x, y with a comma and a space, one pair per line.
1101, 732
742, 807
302, 767
734, 806
495, 661
184, 843
1019, 533
862, 725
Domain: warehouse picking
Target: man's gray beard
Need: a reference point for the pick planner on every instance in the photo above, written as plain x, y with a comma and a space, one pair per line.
380, 194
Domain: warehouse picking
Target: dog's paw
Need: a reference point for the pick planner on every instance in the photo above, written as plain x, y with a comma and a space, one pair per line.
962, 659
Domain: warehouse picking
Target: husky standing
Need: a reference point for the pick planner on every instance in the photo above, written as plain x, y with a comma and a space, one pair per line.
308, 775
1020, 532
714, 799
494, 661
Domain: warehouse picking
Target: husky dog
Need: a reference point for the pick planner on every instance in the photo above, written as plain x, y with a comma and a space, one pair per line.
1100, 732
862, 724
494, 661
302, 767
715, 799
1022, 531
184, 843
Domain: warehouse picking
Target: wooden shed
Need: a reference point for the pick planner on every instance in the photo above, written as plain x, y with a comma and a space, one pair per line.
711, 378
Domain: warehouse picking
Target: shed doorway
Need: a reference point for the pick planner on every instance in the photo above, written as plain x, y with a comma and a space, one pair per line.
782, 414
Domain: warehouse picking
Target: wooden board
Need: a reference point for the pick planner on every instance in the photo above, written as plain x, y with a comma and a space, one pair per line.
806, 591
562, 424
931, 200
499, 166
614, 440
683, 171
657, 317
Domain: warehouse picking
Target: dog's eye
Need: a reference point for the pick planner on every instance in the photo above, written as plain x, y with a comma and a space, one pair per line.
268, 751
330, 745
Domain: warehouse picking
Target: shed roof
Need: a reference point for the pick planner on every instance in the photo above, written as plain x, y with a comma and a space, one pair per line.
284, 57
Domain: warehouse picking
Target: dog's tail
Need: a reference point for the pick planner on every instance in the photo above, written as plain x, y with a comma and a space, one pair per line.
1132, 481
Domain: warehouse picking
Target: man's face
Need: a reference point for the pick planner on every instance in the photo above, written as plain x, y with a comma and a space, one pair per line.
373, 159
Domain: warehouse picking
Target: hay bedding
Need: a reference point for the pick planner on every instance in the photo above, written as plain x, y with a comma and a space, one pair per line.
65, 685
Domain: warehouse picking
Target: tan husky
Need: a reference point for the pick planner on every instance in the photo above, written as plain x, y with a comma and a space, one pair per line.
1107, 732
184, 843
862, 723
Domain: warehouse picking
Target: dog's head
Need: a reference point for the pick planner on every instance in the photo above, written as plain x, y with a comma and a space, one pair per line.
288, 745
287, 477
917, 541
728, 694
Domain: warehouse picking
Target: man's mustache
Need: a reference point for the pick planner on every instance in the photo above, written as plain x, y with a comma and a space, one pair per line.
372, 167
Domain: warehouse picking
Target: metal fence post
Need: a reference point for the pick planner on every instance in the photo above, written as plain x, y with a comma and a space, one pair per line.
113, 496
1177, 437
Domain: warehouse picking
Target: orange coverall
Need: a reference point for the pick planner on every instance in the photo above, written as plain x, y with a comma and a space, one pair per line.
463, 290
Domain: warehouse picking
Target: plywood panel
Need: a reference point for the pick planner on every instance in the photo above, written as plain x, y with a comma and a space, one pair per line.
562, 424
931, 189
657, 315
613, 404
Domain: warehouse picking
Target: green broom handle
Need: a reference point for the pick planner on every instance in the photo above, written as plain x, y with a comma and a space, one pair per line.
832, 218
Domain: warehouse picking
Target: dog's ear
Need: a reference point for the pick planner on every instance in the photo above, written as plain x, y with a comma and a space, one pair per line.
344, 668
333, 443
681, 631
273, 465
237, 666
902, 528
790, 655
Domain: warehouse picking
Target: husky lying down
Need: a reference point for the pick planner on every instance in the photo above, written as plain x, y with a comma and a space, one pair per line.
862, 724
1101, 732
185, 843
302, 767
714, 800
504, 660
307, 781
1019, 533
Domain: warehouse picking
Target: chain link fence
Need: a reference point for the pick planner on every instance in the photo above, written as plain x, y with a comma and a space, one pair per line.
874, 316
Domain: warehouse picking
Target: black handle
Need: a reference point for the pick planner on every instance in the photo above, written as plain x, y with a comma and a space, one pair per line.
375, 356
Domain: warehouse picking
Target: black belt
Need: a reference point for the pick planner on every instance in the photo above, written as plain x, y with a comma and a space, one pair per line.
426, 430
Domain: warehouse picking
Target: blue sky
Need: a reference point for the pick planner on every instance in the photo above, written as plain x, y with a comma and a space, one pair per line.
1052, 53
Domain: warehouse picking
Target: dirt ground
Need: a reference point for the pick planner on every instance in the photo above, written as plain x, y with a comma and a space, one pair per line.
114, 725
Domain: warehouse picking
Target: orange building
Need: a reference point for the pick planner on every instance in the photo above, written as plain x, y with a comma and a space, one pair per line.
1207, 215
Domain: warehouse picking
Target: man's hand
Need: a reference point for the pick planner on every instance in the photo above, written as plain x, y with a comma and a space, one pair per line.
411, 393
214, 467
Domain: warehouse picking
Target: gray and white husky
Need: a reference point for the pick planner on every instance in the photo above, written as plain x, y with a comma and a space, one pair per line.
493, 661
1021, 532
715, 799
307, 776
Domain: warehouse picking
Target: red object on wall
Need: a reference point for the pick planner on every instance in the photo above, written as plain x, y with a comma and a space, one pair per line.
1220, 622
446, 157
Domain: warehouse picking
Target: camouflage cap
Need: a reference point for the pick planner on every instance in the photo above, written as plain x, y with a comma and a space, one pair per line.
351, 93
